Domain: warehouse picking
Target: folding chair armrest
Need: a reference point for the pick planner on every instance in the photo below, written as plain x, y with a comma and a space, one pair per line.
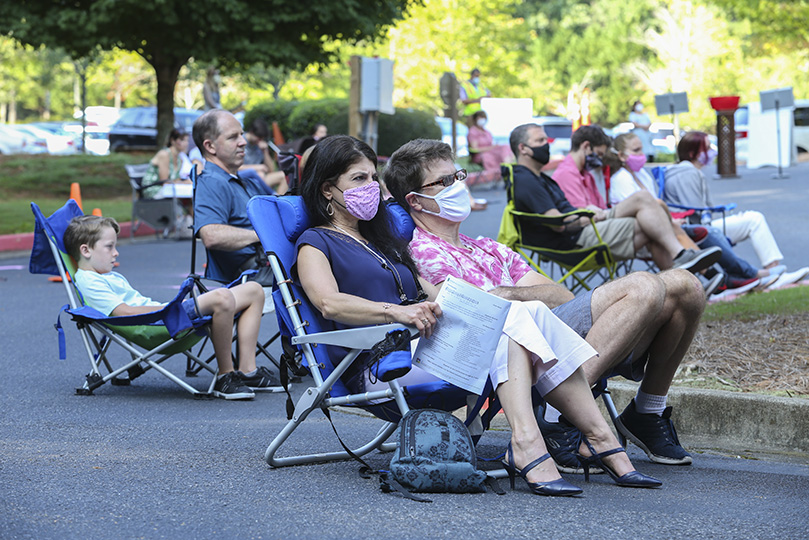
552, 221
353, 338
702, 209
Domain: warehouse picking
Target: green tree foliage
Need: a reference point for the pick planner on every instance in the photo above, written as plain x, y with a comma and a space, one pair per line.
167, 34
590, 43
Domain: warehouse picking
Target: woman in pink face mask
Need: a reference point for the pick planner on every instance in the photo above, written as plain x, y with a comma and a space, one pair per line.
627, 160
687, 185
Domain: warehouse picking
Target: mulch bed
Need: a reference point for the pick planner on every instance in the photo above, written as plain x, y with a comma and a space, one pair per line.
767, 355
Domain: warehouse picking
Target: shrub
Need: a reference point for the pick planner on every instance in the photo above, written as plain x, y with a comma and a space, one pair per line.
296, 120
272, 111
404, 126
331, 112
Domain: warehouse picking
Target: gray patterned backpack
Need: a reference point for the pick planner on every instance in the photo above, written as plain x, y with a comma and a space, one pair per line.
435, 455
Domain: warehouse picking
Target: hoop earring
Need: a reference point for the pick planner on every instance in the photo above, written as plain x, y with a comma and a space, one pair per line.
329, 209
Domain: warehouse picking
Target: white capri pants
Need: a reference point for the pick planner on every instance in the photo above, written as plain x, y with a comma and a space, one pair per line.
753, 225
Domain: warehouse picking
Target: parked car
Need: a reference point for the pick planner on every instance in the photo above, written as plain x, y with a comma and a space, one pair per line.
32, 144
99, 116
11, 140
97, 138
461, 131
59, 141
559, 131
137, 127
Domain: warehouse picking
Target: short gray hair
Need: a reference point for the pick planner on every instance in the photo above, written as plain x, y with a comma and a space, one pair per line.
520, 136
206, 127
405, 170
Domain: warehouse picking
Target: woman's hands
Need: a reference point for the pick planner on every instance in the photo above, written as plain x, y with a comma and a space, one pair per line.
423, 316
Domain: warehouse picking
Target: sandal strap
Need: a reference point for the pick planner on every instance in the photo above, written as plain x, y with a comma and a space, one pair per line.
533, 464
611, 452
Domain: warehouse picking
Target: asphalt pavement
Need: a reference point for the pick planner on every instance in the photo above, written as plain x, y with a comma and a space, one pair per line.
148, 461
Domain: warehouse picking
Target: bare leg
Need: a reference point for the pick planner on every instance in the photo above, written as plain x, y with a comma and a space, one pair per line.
515, 396
249, 299
678, 322
575, 401
221, 305
652, 219
621, 312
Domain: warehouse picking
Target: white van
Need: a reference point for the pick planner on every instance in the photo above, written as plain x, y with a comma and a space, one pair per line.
800, 134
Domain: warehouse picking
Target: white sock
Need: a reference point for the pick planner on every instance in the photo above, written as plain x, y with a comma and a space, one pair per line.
551, 414
650, 403
251, 373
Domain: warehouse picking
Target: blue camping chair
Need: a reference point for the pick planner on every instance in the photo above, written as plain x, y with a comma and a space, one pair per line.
149, 339
279, 221
705, 212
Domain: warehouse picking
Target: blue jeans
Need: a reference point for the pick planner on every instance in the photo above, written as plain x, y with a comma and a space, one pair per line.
735, 266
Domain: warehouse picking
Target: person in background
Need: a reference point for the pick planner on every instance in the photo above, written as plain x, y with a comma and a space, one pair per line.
319, 132
165, 166
210, 89
686, 185
640, 127
626, 158
482, 149
637, 222
471, 92
258, 159
220, 204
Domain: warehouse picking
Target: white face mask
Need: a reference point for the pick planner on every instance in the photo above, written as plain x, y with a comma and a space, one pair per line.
453, 203
481, 122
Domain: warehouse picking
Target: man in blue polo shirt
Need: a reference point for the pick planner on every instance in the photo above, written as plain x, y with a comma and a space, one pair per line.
220, 203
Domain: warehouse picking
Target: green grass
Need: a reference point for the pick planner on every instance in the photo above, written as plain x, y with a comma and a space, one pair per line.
754, 306
46, 180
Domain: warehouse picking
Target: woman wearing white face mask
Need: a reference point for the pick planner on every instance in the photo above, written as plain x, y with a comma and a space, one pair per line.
483, 151
421, 176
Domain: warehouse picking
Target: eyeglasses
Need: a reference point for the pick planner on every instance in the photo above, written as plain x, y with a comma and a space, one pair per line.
448, 180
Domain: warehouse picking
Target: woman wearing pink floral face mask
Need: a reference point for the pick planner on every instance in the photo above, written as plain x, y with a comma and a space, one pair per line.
687, 185
353, 268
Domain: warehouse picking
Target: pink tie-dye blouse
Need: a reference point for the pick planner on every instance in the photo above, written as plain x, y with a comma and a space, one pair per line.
483, 262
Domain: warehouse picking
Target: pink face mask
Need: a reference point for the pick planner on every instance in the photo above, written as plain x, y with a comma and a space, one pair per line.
635, 162
706, 157
362, 202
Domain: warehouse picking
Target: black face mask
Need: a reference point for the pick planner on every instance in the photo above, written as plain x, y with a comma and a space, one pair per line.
542, 154
592, 161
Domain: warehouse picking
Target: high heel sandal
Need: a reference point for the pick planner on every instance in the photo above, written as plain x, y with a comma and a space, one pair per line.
554, 488
630, 479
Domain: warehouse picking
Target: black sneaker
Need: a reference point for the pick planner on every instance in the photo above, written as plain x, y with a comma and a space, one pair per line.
262, 380
694, 261
654, 434
563, 440
230, 386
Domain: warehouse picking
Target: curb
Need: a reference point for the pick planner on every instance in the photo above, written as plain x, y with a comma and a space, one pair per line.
25, 241
721, 420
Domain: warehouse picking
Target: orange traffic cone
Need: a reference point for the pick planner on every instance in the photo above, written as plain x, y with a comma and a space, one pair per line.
75, 194
277, 138
97, 212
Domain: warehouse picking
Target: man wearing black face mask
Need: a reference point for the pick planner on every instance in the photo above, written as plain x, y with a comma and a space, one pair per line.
632, 224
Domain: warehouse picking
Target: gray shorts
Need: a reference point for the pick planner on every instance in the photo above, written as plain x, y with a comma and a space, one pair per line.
578, 315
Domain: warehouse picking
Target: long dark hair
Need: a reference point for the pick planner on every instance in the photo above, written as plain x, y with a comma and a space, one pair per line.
330, 158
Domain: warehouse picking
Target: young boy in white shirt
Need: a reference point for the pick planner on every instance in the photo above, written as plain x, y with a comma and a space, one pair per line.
92, 240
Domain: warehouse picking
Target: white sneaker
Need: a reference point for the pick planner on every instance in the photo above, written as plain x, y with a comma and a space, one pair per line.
788, 278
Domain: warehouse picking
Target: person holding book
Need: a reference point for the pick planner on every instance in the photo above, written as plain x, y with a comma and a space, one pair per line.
641, 325
356, 272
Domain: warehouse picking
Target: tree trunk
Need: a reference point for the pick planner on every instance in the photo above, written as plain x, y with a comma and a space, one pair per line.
167, 70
